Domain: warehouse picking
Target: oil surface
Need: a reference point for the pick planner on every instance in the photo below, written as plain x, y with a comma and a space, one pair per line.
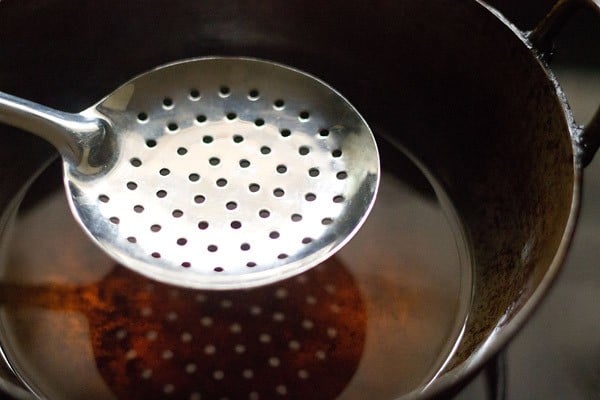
377, 321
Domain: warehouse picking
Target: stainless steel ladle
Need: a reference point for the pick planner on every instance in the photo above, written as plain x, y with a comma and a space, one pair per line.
214, 173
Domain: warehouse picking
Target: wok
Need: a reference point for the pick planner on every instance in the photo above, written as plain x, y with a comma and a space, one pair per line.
467, 96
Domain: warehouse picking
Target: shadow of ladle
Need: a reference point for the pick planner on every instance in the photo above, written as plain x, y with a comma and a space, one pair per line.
302, 337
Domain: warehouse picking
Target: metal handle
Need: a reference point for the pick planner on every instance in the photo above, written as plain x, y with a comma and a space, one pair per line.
496, 377
542, 37
73, 135
589, 139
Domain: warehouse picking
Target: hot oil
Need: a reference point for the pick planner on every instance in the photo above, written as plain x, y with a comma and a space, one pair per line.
377, 321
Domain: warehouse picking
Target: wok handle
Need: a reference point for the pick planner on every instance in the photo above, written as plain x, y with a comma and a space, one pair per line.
589, 139
541, 37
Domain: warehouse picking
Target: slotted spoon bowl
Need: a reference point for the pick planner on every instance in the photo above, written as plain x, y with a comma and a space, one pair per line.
214, 173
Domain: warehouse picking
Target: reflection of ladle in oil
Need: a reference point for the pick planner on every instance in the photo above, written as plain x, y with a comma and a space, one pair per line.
302, 337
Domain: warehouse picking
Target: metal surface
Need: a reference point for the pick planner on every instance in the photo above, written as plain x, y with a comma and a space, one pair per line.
224, 172
75, 136
562, 362
542, 38
500, 143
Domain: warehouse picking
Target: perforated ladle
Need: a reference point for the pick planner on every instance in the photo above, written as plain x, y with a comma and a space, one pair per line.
214, 173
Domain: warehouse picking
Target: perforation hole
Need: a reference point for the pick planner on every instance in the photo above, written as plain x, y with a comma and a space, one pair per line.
274, 235
341, 175
182, 151
285, 132
114, 220
136, 162
142, 117
314, 172
236, 224
167, 102
254, 187
172, 127
303, 150
310, 196
201, 118
327, 221
259, 122
265, 150
212, 248
214, 161
193, 177
324, 132
224, 91
151, 143
238, 138
279, 104
138, 208
194, 94
177, 213
264, 213
203, 225
104, 198
199, 199
279, 192
231, 116
245, 246
244, 163
155, 228
253, 94
132, 185
164, 171
221, 182
161, 194
296, 217
231, 205
207, 139
304, 116
282, 169
338, 199
336, 153
182, 241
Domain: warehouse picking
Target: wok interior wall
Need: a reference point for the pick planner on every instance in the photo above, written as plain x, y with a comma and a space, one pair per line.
445, 79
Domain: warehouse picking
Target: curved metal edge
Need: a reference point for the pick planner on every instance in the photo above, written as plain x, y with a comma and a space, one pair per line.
542, 38
466, 280
589, 139
505, 330
11, 382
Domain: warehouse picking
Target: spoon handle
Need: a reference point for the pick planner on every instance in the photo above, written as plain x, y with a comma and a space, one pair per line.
71, 134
